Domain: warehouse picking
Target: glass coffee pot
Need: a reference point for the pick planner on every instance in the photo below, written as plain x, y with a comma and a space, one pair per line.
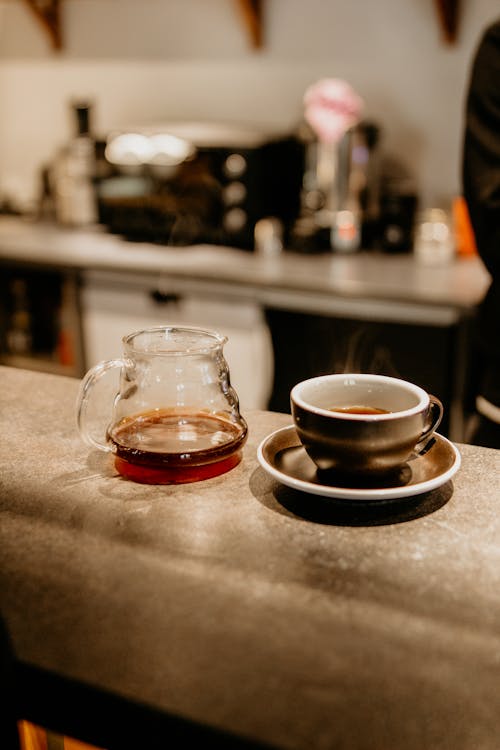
174, 417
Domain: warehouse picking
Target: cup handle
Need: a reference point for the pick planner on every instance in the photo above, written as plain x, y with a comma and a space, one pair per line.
433, 420
93, 383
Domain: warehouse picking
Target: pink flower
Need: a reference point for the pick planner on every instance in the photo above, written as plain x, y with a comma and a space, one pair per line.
331, 108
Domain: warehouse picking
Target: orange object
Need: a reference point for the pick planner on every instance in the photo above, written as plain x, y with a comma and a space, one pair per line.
464, 234
70, 744
33, 737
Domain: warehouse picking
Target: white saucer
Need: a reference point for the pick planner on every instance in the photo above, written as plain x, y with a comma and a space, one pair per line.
282, 455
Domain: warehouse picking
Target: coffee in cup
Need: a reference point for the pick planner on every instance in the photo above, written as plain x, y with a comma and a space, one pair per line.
363, 424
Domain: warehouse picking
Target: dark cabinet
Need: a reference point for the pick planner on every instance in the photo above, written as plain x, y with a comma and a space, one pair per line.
40, 320
308, 345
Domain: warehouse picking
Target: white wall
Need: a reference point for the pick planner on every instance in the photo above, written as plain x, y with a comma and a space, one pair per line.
148, 61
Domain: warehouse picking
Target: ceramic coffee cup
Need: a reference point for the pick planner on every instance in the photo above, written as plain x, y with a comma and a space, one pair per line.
363, 424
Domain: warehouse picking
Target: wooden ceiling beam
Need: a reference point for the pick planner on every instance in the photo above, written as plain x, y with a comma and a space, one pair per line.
48, 14
251, 11
448, 12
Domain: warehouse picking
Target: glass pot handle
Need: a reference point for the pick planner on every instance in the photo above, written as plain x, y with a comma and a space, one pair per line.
91, 394
434, 417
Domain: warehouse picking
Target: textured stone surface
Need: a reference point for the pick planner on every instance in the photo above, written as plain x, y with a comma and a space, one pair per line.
239, 603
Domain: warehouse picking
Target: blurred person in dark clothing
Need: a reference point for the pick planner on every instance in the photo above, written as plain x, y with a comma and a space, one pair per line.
481, 187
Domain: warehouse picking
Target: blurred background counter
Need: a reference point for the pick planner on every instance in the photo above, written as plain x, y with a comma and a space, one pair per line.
69, 295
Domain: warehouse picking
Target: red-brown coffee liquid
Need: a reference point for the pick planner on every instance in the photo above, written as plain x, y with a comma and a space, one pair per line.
358, 410
170, 446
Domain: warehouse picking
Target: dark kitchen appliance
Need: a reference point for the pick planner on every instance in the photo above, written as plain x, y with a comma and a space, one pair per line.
185, 183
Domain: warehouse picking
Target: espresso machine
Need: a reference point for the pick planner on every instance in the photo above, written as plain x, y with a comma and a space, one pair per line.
340, 198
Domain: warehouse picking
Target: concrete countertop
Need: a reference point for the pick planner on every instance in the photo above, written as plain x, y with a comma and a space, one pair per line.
364, 275
239, 604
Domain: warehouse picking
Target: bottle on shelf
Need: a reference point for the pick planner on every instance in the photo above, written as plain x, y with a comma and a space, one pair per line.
74, 171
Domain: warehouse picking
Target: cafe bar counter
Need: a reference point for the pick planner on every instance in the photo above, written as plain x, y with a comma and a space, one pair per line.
237, 612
